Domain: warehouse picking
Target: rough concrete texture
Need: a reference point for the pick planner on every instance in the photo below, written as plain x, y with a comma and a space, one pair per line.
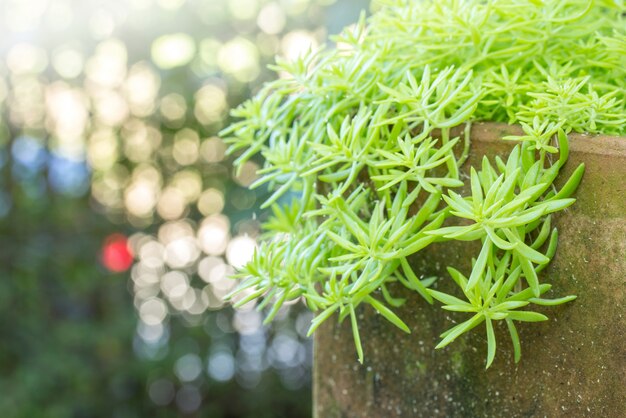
573, 365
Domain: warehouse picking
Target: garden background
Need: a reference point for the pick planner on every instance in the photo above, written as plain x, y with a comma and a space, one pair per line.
121, 217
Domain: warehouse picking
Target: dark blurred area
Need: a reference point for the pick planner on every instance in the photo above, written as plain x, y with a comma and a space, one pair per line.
121, 217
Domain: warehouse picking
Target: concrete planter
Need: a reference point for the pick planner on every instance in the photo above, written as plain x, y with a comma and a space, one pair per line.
573, 365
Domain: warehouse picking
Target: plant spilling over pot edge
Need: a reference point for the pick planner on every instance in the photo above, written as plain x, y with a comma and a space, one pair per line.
362, 165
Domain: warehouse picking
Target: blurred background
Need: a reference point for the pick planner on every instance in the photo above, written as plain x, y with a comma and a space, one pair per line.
121, 217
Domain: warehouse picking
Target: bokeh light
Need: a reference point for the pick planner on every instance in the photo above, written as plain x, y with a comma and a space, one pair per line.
116, 255
174, 50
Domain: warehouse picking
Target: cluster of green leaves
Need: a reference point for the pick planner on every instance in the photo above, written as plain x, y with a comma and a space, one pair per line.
361, 134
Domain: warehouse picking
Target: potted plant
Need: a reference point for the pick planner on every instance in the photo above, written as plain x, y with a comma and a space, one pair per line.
387, 198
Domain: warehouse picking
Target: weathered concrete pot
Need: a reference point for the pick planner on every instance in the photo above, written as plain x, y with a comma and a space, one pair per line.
573, 365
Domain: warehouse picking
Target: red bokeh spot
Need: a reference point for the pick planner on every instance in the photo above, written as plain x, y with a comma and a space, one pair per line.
116, 254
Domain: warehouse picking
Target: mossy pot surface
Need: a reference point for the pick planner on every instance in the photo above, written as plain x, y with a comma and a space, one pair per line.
573, 365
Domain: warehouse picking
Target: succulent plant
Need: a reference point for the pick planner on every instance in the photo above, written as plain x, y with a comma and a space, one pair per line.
362, 164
